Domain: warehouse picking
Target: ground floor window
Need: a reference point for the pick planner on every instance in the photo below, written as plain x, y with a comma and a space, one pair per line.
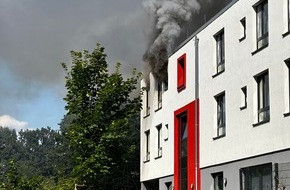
218, 181
256, 177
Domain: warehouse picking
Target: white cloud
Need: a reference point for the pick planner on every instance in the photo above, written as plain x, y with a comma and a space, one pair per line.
12, 123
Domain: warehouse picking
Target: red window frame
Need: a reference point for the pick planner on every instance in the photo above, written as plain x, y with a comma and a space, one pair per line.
181, 72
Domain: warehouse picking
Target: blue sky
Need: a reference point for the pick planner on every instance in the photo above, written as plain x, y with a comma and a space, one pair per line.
37, 35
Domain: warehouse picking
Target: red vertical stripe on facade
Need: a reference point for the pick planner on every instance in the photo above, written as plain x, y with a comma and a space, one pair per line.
191, 148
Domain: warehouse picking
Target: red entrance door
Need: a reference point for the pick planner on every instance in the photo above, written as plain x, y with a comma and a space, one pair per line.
186, 148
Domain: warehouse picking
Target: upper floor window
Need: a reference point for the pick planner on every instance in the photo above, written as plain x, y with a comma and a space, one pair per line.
262, 24
218, 181
159, 147
159, 95
288, 66
147, 146
181, 72
220, 51
243, 23
256, 177
244, 98
147, 105
288, 87
165, 85
221, 115
166, 132
288, 2
263, 97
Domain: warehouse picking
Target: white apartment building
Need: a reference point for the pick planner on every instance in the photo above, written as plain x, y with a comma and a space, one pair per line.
222, 121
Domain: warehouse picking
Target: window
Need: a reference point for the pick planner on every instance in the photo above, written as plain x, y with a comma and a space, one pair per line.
288, 65
159, 95
220, 51
262, 24
165, 85
263, 97
288, 88
166, 132
168, 185
181, 72
288, 1
244, 98
243, 23
183, 151
221, 115
256, 177
147, 148
159, 147
147, 109
218, 181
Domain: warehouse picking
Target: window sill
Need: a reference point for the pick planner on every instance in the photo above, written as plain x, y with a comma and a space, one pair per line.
158, 109
217, 74
243, 107
145, 161
158, 157
180, 88
286, 34
146, 116
261, 122
221, 136
286, 114
260, 49
242, 38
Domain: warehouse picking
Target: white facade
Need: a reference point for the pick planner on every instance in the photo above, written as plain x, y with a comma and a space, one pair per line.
248, 140
242, 139
171, 101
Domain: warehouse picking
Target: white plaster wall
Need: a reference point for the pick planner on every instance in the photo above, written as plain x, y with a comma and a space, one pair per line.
242, 139
171, 101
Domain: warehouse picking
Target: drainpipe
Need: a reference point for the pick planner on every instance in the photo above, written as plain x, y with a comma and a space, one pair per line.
196, 40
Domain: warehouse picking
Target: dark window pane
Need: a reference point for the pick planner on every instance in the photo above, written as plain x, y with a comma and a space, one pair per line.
183, 151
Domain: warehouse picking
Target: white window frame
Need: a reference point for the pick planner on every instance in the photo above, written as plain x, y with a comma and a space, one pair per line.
147, 146
159, 137
220, 51
244, 29
244, 98
147, 105
262, 24
287, 90
221, 115
263, 97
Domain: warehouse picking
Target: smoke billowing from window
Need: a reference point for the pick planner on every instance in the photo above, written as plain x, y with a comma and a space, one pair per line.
169, 18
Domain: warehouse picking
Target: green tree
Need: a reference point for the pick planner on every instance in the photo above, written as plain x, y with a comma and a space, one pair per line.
14, 181
103, 132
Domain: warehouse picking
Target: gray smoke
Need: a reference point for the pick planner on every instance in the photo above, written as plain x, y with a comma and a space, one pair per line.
169, 17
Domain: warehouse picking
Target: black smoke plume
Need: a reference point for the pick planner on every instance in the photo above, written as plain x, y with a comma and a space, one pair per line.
169, 17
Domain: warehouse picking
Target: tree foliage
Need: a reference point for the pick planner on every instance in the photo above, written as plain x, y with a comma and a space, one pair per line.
104, 130
32, 157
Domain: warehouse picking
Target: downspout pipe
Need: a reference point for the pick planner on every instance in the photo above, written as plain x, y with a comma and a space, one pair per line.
196, 41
